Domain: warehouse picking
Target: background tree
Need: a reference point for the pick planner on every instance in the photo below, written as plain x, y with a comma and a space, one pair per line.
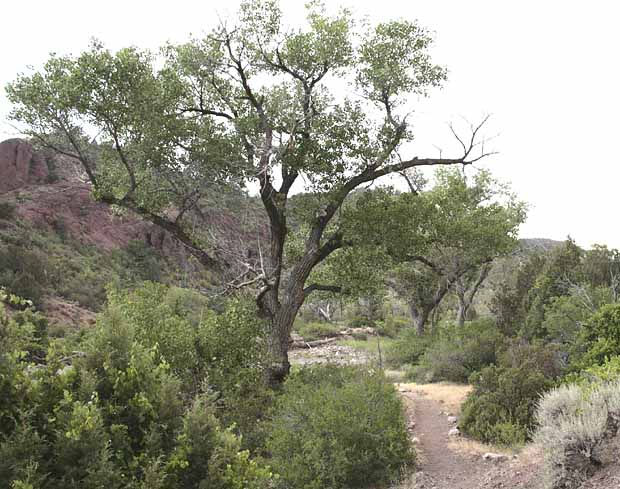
509, 301
561, 269
466, 287
251, 102
444, 238
600, 267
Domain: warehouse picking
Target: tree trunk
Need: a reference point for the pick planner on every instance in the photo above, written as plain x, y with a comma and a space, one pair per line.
419, 318
461, 312
466, 289
281, 311
277, 346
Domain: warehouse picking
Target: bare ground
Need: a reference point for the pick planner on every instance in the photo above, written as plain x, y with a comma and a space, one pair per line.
446, 462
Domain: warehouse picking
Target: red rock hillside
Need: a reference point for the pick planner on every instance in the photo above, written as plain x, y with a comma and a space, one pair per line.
56, 198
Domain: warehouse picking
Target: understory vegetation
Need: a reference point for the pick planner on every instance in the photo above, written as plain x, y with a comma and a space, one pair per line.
165, 392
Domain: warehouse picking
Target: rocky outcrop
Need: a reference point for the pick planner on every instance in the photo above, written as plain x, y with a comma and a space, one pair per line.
50, 192
68, 209
21, 165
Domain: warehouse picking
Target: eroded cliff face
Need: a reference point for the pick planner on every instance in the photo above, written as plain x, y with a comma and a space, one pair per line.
21, 165
50, 192
42, 193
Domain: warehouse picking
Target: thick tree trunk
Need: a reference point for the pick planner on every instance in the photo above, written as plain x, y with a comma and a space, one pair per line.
281, 312
277, 346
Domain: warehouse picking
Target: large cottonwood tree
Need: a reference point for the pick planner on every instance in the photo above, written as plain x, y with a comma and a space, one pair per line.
324, 106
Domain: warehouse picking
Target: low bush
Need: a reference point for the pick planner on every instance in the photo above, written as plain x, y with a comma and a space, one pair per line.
391, 326
546, 358
360, 322
226, 349
336, 428
407, 348
600, 337
7, 211
577, 427
501, 407
459, 352
609, 371
116, 418
23, 272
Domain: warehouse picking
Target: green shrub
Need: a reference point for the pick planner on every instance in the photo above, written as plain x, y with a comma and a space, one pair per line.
577, 430
609, 371
233, 343
224, 350
116, 418
391, 326
501, 407
137, 262
360, 322
359, 336
155, 322
459, 352
545, 358
336, 427
600, 336
205, 456
407, 348
7, 211
23, 272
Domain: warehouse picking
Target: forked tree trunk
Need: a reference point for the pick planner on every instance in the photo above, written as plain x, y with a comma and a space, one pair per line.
420, 314
279, 306
466, 289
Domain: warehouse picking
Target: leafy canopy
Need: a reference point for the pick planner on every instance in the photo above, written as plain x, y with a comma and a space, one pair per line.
171, 123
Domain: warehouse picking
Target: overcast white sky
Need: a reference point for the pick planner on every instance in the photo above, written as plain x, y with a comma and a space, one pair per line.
548, 71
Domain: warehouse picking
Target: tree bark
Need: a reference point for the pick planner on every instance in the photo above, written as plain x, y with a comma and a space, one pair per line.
419, 318
277, 345
461, 312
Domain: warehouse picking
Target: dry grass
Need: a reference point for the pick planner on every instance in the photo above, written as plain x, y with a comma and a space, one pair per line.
472, 447
449, 395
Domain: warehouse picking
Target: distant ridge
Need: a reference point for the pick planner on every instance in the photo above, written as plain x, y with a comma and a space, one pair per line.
542, 244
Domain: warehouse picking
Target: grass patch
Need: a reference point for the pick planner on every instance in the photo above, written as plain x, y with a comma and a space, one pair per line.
316, 330
371, 347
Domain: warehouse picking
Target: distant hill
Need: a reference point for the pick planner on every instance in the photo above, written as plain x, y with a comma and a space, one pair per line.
541, 244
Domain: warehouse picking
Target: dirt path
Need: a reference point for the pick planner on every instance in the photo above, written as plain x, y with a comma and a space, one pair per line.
446, 462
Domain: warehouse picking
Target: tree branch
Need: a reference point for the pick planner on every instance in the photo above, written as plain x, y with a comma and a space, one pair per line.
172, 227
320, 287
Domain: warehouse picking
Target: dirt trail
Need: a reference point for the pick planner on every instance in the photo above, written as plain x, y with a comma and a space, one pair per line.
446, 463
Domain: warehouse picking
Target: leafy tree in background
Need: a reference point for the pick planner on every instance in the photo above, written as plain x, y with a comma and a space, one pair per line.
600, 267
509, 302
252, 102
560, 271
444, 238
